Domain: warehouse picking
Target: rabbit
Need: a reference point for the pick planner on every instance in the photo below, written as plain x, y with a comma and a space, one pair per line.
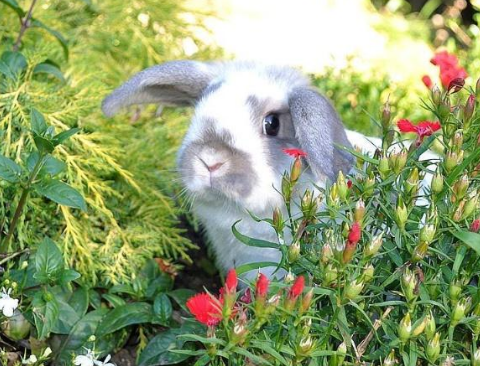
231, 160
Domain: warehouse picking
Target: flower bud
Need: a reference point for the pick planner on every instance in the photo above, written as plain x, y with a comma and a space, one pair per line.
330, 275
457, 140
286, 188
296, 170
293, 252
409, 285
454, 291
455, 85
411, 183
444, 109
405, 328
433, 348
369, 186
289, 278
458, 213
278, 223
24, 265
398, 161
450, 161
343, 190
327, 253
368, 272
338, 358
383, 167
475, 226
437, 183
401, 214
427, 233
386, 115
449, 361
470, 205
333, 197
431, 326
306, 301
461, 186
459, 310
47, 352
308, 204
390, 359
359, 213
239, 333
305, 346
419, 252
373, 247
353, 289
92, 338
419, 329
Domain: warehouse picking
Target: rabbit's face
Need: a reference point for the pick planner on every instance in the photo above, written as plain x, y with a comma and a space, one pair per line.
245, 114
233, 149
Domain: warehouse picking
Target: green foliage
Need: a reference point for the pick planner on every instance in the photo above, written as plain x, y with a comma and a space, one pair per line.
123, 168
391, 261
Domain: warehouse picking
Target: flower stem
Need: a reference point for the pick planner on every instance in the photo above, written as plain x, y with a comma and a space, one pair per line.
4, 245
25, 25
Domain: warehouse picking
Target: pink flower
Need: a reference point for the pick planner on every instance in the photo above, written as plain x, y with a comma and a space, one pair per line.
449, 68
206, 308
295, 153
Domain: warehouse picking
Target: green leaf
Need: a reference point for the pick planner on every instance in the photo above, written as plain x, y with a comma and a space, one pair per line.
181, 296
114, 300
267, 348
68, 275
15, 61
254, 266
39, 126
48, 261
49, 69
45, 313
79, 335
50, 166
43, 145
249, 355
62, 136
9, 170
67, 318
79, 301
162, 307
61, 193
14, 6
251, 241
123, 316
63, 42
469, 238
157, 350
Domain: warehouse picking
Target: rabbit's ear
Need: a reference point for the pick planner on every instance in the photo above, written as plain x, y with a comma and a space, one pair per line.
177, 83
318, 129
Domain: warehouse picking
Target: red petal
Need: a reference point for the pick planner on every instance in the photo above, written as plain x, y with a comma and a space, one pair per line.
475, 227
231, 281
262, 285
206, 308
355, 233
404, 125
297, 287
295, 152
427, 81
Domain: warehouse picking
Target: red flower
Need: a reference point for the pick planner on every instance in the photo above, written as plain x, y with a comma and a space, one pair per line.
456, 85
206, 308
422, 129
297, 288
449, 68
231, 282
355, 233
475, 227
261, 287
296, 153
349, 184
427, 81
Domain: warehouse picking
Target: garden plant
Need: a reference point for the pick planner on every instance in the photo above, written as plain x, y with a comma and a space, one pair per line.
384, 264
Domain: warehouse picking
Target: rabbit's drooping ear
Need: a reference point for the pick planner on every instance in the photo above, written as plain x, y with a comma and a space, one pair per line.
318, 129
177, 83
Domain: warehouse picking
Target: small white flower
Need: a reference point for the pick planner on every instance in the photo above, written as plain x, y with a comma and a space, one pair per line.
47, 352
30, 361
105, 362
85, 360
7, 304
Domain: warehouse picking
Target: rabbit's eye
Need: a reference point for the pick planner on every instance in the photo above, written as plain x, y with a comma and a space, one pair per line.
271, 124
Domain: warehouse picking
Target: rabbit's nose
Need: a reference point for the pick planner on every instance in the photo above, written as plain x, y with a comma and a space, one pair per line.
212, 168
